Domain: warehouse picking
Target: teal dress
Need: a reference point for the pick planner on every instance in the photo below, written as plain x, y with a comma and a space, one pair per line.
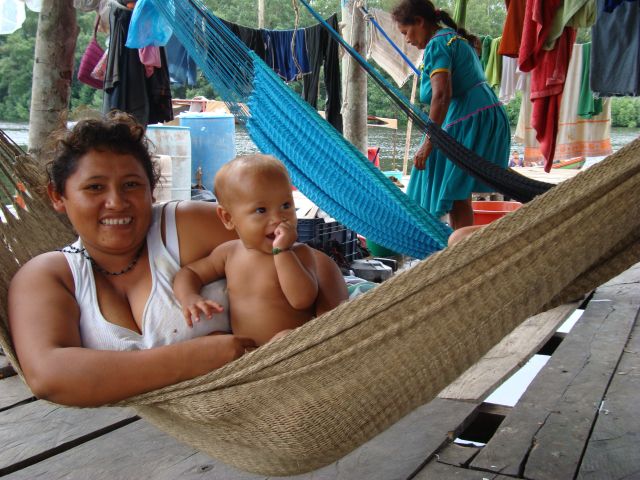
475, 118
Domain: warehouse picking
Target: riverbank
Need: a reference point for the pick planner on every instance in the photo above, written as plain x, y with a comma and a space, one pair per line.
391, 142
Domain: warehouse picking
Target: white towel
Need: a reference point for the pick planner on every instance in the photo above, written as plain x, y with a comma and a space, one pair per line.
384, 54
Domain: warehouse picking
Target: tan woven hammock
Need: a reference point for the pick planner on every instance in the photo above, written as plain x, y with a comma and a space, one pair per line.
331, 385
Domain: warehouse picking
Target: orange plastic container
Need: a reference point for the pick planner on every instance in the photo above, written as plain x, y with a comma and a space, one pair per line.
486, 211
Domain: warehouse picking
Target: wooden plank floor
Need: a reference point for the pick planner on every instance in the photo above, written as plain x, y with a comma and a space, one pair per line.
577, 418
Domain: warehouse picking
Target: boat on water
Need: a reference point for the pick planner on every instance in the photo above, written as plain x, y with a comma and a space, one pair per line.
575, 163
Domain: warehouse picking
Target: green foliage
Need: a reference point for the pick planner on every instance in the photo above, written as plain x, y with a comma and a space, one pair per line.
484, 17
625, 112
513, 109
16, 67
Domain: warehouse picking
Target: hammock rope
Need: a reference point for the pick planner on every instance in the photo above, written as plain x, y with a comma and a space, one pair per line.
327, 387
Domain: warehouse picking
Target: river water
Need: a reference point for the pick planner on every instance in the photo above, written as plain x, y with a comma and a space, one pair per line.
391, 142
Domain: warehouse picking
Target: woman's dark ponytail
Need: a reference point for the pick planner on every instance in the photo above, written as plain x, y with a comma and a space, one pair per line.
445, 18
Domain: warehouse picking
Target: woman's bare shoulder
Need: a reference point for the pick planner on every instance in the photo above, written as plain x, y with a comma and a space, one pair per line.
46, 267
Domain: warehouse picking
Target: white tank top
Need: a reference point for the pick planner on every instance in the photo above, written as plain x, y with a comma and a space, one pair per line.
162, 320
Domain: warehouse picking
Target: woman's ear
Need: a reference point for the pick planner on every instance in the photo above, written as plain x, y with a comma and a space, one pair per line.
225, 217
56, 199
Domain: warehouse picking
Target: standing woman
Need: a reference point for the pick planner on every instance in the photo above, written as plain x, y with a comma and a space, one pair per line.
460, 101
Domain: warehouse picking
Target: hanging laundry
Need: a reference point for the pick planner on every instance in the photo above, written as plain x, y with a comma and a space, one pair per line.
588, 105
576, 136
615, 47
509, 79
320, 51
286, 53
572, 13
512, 30
323, 53
126, 86
182, 68
384, 54
610, 5
150, 58
485, 51
251, 37
548, 71
493, 70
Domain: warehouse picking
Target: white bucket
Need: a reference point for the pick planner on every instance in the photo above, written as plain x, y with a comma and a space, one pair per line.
162, 193
176, 143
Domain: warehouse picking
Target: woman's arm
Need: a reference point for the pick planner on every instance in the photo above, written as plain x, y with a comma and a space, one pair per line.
440, 100
44, 325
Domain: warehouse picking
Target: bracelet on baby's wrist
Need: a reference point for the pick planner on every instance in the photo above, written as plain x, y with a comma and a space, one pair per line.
276, 250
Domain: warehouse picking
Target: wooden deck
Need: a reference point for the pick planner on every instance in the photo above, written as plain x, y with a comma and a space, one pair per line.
577, 419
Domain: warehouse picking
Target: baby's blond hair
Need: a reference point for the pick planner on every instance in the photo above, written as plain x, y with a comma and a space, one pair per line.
231, 174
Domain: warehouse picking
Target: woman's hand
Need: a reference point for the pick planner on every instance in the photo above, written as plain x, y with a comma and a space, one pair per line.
223, 348
420, 158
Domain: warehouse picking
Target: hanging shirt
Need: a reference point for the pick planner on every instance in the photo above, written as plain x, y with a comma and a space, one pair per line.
323, 53
182, 68
615, 47
610, 5
572, 13
588, 105
512, 31
286, 53
493, 70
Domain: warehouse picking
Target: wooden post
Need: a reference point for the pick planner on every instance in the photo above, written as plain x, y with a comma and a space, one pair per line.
260, 13
407, 144
52, 70
354, 79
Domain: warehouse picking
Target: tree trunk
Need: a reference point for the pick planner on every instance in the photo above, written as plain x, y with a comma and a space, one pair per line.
354, 79
261, 13
52, 71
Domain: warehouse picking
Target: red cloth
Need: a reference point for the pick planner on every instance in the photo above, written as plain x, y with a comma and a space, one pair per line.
548, 71
538, 16
512, 30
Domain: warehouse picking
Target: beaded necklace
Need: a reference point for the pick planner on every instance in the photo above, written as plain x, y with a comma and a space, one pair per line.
83, 252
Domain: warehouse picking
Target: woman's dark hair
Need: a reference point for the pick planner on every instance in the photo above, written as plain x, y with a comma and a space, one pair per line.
407, 12
117, 132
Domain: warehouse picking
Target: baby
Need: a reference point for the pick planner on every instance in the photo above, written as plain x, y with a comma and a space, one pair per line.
272, 281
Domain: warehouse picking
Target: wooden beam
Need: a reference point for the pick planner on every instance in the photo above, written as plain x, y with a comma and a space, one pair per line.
506, 357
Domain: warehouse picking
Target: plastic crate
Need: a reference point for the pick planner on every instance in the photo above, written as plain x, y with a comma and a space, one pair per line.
307, 228
332, 238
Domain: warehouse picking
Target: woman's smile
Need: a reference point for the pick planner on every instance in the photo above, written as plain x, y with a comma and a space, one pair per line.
116, 221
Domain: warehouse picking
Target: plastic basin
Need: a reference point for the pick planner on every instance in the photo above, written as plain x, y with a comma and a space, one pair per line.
486, 211
378, 250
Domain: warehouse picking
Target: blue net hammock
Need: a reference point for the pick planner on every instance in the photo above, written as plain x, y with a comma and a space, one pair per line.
323, 165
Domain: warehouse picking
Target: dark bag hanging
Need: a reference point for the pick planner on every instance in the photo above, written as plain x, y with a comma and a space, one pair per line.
90, 59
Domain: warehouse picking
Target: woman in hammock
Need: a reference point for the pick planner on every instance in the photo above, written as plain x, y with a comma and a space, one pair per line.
460, 100
111, 291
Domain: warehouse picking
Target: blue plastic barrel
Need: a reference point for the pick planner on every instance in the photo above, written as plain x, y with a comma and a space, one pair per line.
212, 143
